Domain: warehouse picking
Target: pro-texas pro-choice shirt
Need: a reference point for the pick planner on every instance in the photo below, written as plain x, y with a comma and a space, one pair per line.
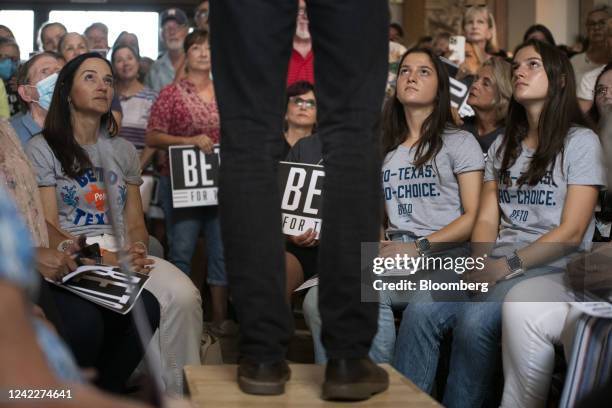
82, 202
426, 199
531, 211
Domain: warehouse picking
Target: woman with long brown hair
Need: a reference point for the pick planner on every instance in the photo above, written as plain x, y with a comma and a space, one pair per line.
539, 193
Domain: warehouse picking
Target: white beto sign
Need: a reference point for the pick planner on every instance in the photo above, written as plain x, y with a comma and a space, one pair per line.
194, 175
301, 186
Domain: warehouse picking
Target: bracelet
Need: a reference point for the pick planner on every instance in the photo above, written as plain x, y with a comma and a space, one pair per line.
65, 244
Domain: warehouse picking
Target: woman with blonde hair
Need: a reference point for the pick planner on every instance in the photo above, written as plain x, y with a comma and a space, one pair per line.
480, 29
490, 95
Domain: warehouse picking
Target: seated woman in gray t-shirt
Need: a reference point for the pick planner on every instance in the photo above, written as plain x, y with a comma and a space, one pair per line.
76, 191
432, 175
540, 187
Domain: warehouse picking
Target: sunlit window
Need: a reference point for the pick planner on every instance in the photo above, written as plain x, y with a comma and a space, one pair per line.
21, 23
144, 24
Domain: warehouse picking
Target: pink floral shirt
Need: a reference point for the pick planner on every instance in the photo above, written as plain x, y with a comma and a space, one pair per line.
179, 111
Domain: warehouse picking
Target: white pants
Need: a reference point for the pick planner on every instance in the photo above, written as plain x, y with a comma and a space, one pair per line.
180, 326
529, 332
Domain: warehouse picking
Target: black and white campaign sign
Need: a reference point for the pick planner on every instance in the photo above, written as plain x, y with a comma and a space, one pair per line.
459, 89
194, 176
106, 286
301, 186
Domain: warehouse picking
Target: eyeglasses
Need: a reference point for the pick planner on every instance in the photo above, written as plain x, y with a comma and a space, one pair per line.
303, 103
202, 13
468, 6
601, 91
596, 24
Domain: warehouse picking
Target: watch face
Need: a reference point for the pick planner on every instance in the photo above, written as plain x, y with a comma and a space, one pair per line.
424, 244
514, 263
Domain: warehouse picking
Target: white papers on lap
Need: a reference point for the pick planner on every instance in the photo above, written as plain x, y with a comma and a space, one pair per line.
314, 281
106, 286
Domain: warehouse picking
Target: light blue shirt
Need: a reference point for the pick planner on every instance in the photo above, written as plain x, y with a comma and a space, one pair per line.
161, 74
25, 127
17, 268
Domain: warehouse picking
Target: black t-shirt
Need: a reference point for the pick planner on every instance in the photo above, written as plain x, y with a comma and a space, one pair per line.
485, 141
306, 150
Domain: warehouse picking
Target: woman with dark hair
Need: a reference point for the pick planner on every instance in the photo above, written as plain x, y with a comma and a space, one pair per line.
301, 146
76, 191
535, 235
186, 113
432, 173
541, 33
66, 158
540, 189
301, 115
602, 108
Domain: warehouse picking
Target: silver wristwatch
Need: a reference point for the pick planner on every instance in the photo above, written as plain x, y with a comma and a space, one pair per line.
515, 263
422, 246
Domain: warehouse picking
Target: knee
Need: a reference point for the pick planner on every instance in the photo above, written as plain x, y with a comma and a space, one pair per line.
420, 316
173, 289
479, 321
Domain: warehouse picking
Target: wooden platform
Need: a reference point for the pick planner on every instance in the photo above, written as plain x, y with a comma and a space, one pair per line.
215, 387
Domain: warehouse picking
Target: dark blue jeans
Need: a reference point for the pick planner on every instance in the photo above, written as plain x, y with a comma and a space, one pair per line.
250, 48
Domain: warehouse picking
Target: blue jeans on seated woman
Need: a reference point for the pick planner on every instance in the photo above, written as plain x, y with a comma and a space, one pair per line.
383, 345
476, 331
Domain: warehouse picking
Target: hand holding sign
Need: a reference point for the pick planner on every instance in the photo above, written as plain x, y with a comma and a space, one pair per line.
307, 239
203, 142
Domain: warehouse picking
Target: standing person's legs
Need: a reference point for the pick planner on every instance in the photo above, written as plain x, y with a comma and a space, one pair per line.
250, 49
216, 278
185, 231
350, 84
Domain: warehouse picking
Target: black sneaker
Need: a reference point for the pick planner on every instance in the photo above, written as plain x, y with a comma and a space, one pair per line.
353, 379
263, 378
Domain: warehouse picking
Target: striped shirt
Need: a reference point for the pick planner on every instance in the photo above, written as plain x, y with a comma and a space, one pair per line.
136, 110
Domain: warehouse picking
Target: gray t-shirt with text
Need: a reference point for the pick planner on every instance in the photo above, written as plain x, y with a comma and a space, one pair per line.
424, 200
82, 202
529, 212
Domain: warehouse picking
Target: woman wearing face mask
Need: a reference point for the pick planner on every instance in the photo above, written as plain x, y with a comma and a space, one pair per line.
537, 203
36, 80
432, 174
186, 113
68, 159
489, 97
9, 62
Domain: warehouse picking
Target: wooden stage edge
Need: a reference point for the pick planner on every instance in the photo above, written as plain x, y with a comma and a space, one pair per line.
215, 386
